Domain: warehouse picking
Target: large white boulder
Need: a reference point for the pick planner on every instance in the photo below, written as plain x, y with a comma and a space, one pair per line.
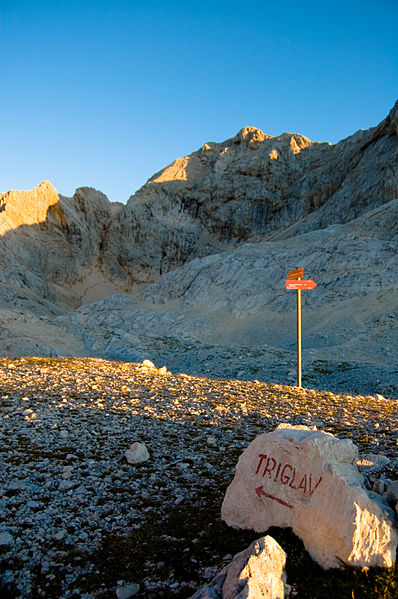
308, 480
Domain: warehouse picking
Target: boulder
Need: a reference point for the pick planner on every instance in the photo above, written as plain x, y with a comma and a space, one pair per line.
308, 480
257, 572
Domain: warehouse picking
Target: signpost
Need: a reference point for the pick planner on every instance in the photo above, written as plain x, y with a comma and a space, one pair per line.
296, 274
300, 284
296, 282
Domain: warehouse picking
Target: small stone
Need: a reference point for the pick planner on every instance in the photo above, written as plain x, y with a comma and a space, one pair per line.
127, 591
149, 364
211, 441
371, 462
17, 485
378, 486
175, 585
67, 472
66, 485
60, 535
392, 492
210, 572
137, 453
6, 539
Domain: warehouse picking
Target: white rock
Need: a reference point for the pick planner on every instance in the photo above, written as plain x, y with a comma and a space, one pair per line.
137, 453
308, 480
149, 364
255, 573
128, 590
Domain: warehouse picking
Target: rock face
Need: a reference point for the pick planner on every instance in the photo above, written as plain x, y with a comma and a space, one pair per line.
223, 304
50, 249
308, 480
201, 252
254, 573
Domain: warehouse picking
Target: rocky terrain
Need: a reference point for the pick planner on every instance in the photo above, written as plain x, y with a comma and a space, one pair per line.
77, 520
190, 273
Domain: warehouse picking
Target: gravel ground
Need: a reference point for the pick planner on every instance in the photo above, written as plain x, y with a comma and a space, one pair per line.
76, 520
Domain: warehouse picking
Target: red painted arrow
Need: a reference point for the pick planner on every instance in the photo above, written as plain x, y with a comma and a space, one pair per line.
301, 284
260, 491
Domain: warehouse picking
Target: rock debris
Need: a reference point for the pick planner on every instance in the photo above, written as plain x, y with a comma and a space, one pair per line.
78, 520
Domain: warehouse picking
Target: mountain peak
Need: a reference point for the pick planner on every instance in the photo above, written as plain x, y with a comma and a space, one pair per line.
28, 207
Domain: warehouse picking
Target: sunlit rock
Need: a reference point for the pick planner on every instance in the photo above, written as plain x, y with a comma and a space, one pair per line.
255, 573
308, 480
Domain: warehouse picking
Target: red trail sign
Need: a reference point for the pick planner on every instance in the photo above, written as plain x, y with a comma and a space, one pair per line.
297, 283
296, 274
300, 284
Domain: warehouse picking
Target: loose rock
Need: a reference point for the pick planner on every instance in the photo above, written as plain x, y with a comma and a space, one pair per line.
127, 591
256, 572
137, 454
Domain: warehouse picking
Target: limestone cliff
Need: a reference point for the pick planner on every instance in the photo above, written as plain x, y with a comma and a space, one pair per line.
50, 247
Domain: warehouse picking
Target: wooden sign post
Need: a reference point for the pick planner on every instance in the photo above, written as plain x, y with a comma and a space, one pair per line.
296, 282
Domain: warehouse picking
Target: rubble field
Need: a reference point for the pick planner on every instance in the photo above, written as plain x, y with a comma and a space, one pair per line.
78, 521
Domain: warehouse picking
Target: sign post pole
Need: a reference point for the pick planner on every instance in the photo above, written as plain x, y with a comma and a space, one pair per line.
298, 337
295, 281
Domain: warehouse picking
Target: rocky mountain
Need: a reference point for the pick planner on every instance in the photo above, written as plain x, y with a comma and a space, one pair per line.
253, 187
191, 271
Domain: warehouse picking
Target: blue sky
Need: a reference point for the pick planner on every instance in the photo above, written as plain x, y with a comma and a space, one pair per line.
106, 93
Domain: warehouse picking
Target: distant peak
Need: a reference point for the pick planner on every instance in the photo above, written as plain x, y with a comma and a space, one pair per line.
44, 186
28, 207
250, 134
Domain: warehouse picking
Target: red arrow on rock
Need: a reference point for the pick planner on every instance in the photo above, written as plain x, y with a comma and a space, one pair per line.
260, 491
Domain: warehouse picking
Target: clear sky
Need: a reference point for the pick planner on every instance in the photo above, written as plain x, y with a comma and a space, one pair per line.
105, 93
